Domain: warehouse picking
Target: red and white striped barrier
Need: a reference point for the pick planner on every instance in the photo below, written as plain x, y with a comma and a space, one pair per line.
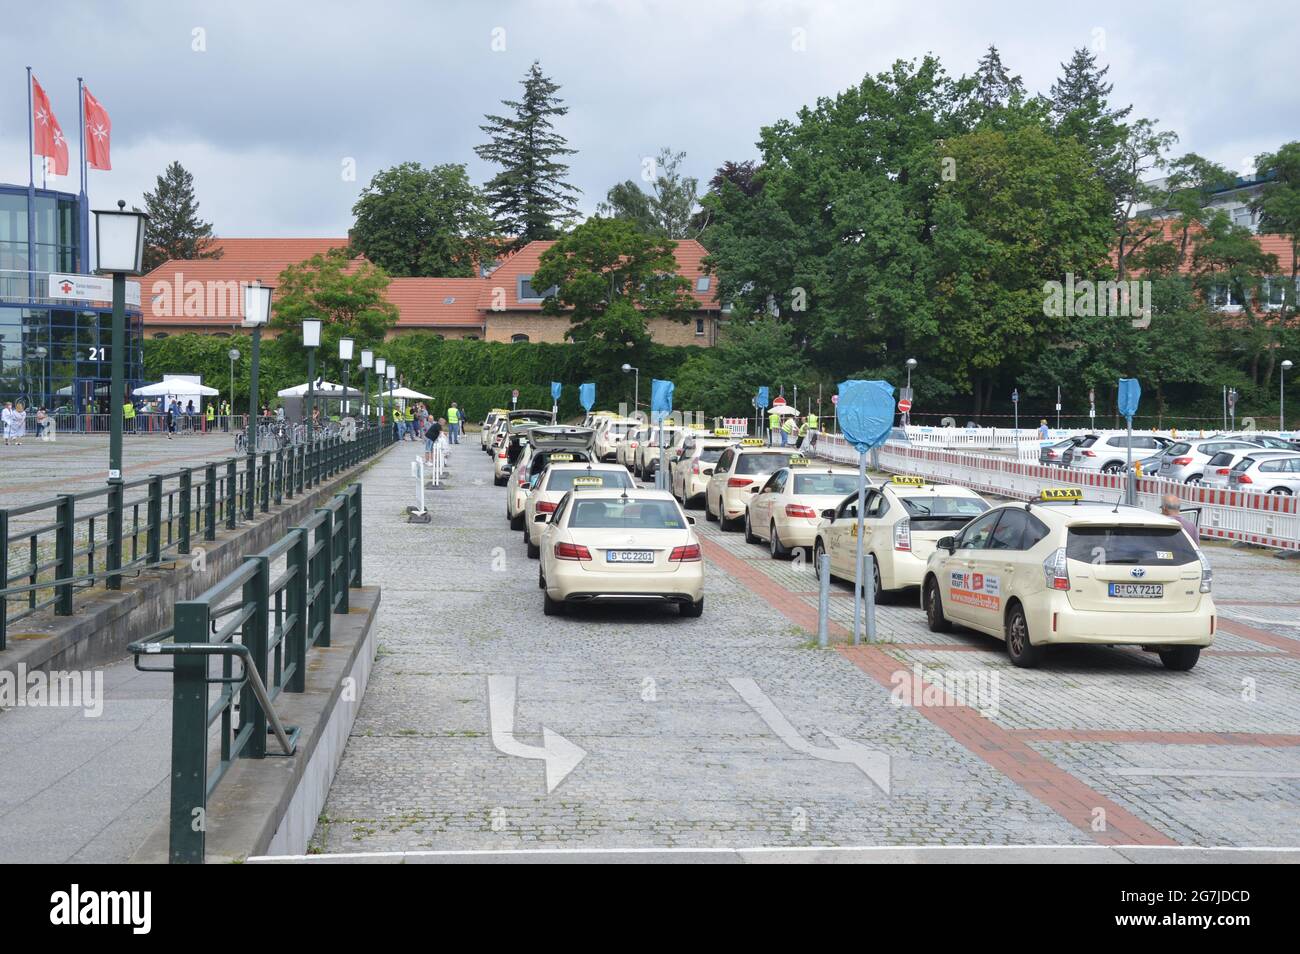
1269, 520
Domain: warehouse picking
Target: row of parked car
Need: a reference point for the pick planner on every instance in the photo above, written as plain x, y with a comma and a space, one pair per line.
1244, 461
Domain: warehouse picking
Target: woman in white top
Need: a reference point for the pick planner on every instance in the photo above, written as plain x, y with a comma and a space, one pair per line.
19, 418
7, 417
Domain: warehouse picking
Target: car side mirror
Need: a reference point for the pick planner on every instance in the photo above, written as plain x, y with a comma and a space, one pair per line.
542, 518
829, 515
707, 472
507, 469
753, 489
947, 543
690, 521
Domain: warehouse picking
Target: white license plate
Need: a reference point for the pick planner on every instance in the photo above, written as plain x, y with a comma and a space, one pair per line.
1141, 591
629, 556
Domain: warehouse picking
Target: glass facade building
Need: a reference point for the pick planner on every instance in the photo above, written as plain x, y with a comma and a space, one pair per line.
54, 353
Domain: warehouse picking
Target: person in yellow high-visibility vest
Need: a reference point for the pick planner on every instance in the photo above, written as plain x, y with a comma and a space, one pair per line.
773, 426
788, 431
453, 424
210, 417
128, 416
811, 422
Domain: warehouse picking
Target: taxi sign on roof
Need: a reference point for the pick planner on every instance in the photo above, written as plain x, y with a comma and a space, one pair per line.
907, 481
588, 481
560, 457
721, 432
752, 441
1061, 493
799, 461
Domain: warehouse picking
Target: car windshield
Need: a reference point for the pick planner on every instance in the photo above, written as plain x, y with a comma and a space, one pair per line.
1130, 546
619, 428
609, 479
760, 463
710, 454
1178, 449
829, 484
944, 508
625, 514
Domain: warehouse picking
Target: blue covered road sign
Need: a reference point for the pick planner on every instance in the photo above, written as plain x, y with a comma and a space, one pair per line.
587, 396
1130, 393
866, 412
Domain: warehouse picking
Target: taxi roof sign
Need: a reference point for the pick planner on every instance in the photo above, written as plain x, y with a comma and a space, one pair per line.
907, 480
721, 432
1061, 493
588, 481
752, 441
561, 457
799, 461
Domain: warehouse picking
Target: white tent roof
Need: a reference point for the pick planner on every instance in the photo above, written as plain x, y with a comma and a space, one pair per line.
409, 394
783, 409
322, 388
175, 387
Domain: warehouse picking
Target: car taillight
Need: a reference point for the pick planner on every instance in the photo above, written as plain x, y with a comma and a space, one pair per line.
799, 510
739, 481
1244, 479
545, 506
686, 554
523, 479
695, 468
1088, 453
1182, 461
903, 535
571, 551
1222, 470
1207, 574
1055, 574
501, 456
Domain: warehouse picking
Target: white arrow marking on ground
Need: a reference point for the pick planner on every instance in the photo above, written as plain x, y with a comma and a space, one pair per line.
874, 765
561, 755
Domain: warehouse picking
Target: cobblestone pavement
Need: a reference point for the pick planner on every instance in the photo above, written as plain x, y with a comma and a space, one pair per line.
1097, 747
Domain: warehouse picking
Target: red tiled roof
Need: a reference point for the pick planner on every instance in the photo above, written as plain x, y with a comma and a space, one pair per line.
689, 254
436, 301
1278, 245
274, 249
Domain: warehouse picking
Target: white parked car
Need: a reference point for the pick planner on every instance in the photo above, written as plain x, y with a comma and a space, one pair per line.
1109, 453
1264, 474
1186, 460
1219, 467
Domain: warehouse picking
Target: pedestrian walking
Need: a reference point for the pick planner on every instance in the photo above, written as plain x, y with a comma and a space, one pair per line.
1043, 432
210, 417
128, 416
173, 418
453, 424
7, 418
41, 420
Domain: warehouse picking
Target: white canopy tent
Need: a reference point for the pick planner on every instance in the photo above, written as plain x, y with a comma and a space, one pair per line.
175, 388
409, 394
321, 389
783, 409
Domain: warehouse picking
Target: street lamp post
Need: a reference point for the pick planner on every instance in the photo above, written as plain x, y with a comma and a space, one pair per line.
233, 355
346, 346
119, 250
1281, 395
381, 369
257, 312
40, 353
911, 363
311, 341
367, 362
392, 377
636, 394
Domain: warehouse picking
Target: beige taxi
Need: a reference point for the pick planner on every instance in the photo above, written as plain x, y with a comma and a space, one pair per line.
904, 518
739, 472
625, 450
690, 472
547, 444
645, 460
610, 432
1065, 570
560, 478
620, 546
787, 509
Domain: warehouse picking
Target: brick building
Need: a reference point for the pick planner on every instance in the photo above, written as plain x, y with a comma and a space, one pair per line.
204, 295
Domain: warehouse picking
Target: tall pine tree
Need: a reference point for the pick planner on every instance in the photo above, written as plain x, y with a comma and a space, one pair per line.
175, 229
530, 196
1081, 108
995, 88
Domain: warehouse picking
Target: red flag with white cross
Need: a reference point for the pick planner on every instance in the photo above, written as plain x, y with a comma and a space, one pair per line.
47, 134
99, 131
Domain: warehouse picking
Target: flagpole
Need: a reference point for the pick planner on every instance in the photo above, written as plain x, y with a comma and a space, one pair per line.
85, 180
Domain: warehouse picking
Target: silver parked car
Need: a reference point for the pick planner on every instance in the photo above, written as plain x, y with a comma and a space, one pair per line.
1220, 465
1270, 475
1186, 461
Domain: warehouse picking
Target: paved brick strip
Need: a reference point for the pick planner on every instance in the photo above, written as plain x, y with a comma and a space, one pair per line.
1060, 791
1285, 644
1276, 740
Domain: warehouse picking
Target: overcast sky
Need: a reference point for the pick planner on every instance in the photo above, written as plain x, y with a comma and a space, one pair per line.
266, 102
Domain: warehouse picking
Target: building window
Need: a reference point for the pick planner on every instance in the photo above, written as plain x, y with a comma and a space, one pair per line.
526, 292
1244, 217
699, 327
159, 334
518, 338
221, 334
702, 283
471, 337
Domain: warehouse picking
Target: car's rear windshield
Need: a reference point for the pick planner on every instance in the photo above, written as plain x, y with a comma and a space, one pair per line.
710, 455
542, 458
1178, 450
1221, 459
1244, 464
943, 508
761, 463
1130, 546
619, 428
609, 479
829, 484
1088, 441
625, 515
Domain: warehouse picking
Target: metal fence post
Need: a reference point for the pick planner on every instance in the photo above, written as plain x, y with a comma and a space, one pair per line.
356, 531
288, 483
210, 504
4, 575
257, 592
113, 560
279, 476
187, 510
265, 483
299, 587
324, 574
344, 557
189, 781
153, 530
64, 547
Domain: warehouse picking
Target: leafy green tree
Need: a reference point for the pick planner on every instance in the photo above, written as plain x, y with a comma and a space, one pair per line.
668, 209
1278, 207
175, 230
412, 221
347, 295
995, 88
530, 197
749, 354
1141, 152
1228, 261
609, 278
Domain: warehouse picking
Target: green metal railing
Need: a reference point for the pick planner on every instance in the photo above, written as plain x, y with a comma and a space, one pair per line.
267, 614
54, 548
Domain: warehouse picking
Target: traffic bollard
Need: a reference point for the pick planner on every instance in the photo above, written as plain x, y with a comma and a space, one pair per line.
824, 600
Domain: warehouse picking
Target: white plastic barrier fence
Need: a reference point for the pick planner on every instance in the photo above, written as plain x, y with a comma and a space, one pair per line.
738, 426
418, 472
1270, 520
437, 468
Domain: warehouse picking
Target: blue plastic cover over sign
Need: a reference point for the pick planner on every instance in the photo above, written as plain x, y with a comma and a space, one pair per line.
555, 390
661, 397
1130, 393
587, 396
761, 400
866, 412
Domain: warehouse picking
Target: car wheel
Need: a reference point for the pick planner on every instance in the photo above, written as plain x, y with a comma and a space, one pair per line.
778, 550
1180, 658
819, 551
691, 610
1194, 479
724, 522
875, 576
1023, 653
1284, 491
934, 617
1114, 467
541, 580
552, 607
749, 531
499, 481
534, 551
